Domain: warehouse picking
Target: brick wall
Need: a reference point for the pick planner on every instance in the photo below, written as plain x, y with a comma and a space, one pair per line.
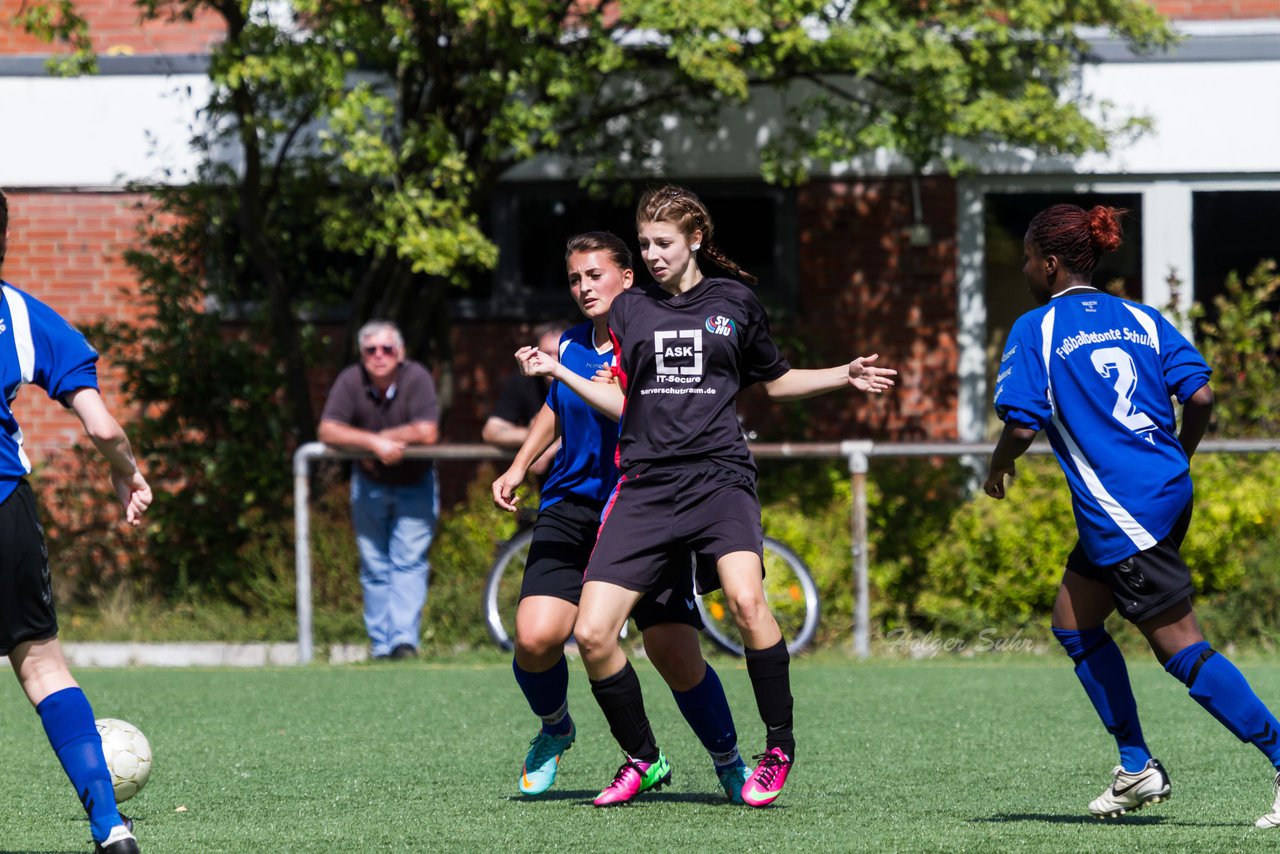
114, 28
1212, 10
863, 289
65, 249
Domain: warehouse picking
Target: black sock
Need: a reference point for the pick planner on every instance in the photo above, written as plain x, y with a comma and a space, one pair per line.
770, 672
622, 702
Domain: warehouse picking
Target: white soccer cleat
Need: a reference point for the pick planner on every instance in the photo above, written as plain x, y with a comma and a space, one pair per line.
1272, 819
1129, 792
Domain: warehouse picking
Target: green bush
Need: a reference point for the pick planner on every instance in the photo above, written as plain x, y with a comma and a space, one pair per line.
941, 560
1000, 561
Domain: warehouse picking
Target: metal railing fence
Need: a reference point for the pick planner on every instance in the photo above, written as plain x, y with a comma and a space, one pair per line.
857, 454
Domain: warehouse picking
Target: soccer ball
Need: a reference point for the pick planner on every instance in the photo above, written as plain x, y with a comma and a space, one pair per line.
128, 756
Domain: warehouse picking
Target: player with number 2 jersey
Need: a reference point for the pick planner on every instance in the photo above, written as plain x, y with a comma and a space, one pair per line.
1097, 373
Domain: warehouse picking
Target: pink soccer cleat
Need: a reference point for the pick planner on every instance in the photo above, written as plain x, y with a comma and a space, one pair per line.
765, 783
633, 778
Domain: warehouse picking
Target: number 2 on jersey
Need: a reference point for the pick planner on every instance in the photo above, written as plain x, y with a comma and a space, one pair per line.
1113, 361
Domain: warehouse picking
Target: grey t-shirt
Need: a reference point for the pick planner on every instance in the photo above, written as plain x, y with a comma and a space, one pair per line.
354, 401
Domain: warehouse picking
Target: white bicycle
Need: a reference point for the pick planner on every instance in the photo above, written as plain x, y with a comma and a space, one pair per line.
789, 589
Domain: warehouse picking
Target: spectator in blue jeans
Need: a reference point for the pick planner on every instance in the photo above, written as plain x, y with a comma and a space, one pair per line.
383, 405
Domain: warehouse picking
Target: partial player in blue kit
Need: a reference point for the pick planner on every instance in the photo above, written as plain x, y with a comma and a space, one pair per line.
1097, 372
581, 478
38, 347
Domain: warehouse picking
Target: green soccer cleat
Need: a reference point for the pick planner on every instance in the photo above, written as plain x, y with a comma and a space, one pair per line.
732, 777
543, 760
633, 778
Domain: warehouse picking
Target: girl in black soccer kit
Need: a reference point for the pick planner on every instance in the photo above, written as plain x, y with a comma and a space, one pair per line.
686, 345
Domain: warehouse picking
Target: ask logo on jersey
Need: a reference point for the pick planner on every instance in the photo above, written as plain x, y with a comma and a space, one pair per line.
679, 355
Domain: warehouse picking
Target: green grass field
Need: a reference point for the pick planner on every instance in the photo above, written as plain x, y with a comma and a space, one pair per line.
995, 754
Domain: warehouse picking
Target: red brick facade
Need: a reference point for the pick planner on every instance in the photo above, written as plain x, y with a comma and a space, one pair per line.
114, 29
1214, 10
65, 249
114, 26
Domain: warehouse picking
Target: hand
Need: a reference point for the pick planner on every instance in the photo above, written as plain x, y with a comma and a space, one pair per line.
504, 489
535, 363
604, 375
865, 377
995, 481
388, 451
134, 494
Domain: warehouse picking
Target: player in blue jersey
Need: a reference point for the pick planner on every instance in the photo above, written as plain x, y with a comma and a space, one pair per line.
582, 475
1097, 372
38, 347
687, 344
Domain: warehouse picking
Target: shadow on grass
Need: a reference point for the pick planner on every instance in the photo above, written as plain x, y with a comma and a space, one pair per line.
1131, 820
586, 796
1005, 817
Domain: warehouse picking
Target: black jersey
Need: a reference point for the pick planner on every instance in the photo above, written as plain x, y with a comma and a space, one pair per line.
682, 360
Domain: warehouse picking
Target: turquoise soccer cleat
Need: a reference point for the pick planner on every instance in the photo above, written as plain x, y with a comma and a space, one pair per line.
543, 760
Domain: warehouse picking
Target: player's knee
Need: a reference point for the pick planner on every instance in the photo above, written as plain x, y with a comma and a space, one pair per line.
595, 641
748, 608
535, 646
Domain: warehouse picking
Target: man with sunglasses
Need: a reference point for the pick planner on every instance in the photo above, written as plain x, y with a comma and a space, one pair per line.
383, 405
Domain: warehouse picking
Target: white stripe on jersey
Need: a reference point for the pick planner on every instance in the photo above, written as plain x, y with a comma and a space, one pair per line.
22, 455
1046, 345
26, 351
22, 341
1123, 519
1147, 324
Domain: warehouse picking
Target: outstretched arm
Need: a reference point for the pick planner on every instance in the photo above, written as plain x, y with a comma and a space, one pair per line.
607, 398
109, 438
798, 383
1014, 441
1195, 419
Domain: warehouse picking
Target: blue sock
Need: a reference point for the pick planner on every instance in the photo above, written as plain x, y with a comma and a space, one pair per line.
705, 708
1100, 669
1215, 683
68, 721
548, 695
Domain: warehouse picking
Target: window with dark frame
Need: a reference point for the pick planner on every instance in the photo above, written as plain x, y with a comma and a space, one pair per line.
531, 221
1232, 232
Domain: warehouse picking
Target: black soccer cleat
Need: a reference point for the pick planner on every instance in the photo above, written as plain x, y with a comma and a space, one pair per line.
121, 840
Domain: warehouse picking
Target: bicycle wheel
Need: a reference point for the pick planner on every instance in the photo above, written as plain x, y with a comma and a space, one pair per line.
502, 589
790, 593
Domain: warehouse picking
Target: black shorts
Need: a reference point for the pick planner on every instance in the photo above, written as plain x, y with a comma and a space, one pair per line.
706, 508
563, 538
26, 597
1147, 583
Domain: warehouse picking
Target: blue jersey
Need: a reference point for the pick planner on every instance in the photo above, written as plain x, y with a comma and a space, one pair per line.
1097, 372
584, 466
36, 346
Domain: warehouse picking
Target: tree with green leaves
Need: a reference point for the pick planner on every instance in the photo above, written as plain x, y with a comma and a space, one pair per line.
351, 146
